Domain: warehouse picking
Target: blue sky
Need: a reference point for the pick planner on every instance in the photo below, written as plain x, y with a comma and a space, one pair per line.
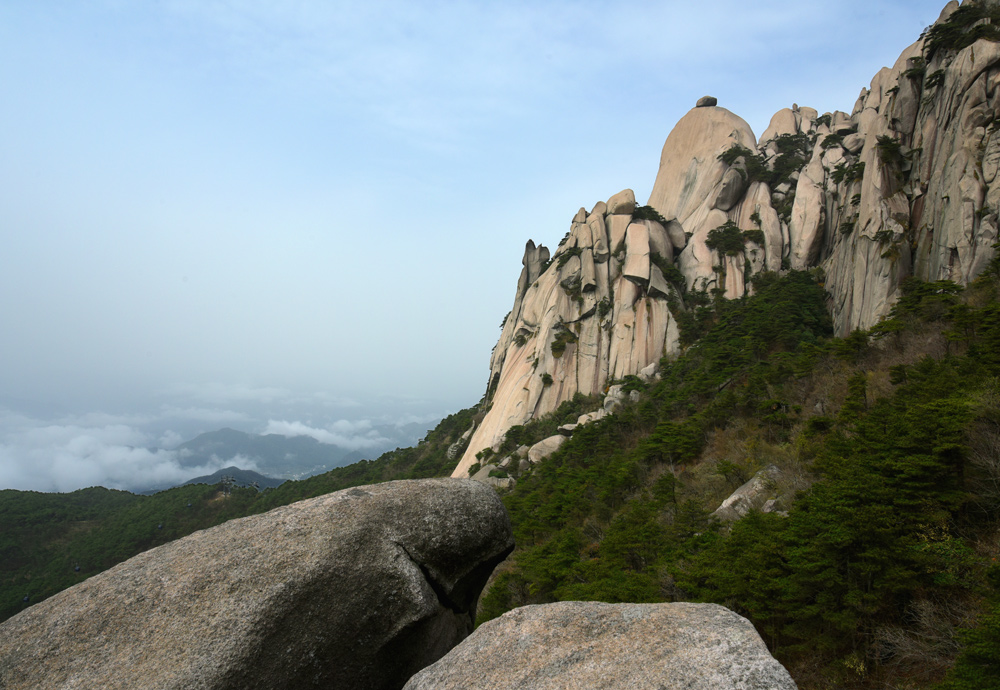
319, 208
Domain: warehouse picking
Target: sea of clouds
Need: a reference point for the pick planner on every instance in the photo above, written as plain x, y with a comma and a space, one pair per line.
65, 452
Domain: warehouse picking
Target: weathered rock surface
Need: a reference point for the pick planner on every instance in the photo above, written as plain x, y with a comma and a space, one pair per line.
357, 589
545, 448
589, 646
751, 495
905, 184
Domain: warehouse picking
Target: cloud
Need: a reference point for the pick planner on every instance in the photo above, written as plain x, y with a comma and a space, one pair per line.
169, 439
224, 393
343, 433
203, 414
40, 456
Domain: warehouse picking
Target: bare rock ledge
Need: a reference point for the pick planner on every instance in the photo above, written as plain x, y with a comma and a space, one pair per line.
356, 589
591, 646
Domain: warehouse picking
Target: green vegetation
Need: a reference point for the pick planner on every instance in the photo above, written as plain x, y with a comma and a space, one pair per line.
725, 239
848, 173
728, 239
890, 151
573, 286
648, 213
881, 571
670, 272
918, 70
882, 568
793, 153
603, 307
831, 140
968, 24
44, 538
563, 258
563, 337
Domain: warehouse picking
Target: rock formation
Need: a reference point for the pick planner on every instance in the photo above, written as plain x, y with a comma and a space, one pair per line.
752, 495
591, 645
905, 184
356, 589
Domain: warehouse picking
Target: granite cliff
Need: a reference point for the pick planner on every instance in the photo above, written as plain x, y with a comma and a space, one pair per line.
904, 184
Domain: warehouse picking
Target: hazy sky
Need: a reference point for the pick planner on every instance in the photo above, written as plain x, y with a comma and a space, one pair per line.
246, 213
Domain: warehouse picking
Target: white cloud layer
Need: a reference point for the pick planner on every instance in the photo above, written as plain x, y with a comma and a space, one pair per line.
92, 450
355, 435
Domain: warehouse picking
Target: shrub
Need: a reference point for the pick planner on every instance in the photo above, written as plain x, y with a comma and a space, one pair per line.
565, 256
832, 140
725, 239
603, 307
648, 213
671, 273
890, 151
964, 27
562, 339
848, 173
546, 379
754, 235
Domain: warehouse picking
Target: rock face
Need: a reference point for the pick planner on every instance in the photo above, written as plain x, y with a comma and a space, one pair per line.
589, 645
356, 589
905, 184
753, 494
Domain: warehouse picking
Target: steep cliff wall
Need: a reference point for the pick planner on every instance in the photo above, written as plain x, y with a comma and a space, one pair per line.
905, 184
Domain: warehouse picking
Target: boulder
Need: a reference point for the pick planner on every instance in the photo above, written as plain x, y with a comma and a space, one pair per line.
483, 472
730, 190
614, 398
356, 589
690, 170
622, 203
637, 252
592, 416
751, 495
706, 102
501, 483
545, 448
649, 373
854, 142
583, 645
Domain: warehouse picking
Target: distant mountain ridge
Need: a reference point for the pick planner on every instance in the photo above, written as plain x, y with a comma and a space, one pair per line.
274, 455
241, 478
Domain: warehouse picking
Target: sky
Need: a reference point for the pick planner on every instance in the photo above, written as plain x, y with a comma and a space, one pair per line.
288, 216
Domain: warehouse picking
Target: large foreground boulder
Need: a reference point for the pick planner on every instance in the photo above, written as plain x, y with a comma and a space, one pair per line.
357, 589
589, 645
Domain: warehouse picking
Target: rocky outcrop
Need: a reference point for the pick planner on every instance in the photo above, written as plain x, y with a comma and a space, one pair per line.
905, 184
356, 589
596, 312
592, 645
750, 496
545, 448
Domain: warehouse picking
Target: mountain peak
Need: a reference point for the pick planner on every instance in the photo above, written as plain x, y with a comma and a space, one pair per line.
906, 184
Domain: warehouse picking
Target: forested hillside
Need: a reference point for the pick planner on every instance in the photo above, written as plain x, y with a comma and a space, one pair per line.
876, 566
49, 542
880, 563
